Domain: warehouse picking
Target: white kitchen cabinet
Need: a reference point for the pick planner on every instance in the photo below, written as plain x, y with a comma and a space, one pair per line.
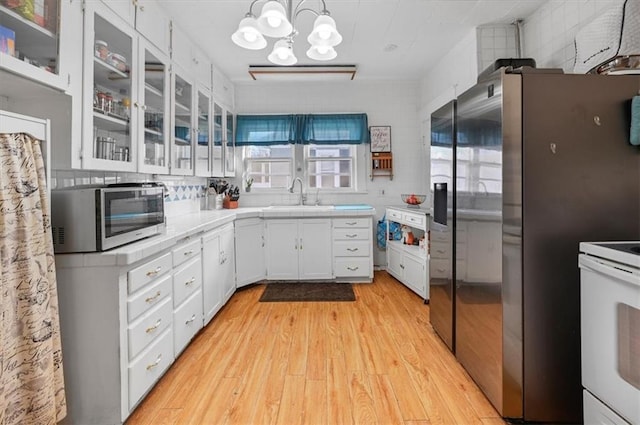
218, 270
298, 249
409, 263
109, 91
217, 135
352, 248
147, 17
250, 263
203, 131
184, 133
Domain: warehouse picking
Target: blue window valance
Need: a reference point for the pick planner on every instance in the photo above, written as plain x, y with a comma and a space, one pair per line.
321, 129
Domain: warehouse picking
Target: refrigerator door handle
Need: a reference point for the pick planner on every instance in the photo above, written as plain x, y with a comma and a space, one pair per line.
440, 203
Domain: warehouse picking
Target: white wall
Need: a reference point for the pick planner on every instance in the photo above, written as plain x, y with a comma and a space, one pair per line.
385, 103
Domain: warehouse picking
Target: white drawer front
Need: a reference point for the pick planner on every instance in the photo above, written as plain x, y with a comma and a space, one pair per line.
142, 275
186, 252
351, 222
351, 249
440, 250
440, 236
356, 267
146, 370
351, 234
187, 321
142, 332
394, 215
440, 268
418, 220
186, 281
149, 297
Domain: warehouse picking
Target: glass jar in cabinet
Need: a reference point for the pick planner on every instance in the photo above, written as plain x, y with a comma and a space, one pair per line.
152, 109
109, 64
182, 150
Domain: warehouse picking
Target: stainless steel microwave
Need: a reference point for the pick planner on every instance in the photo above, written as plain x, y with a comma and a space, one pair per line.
90, 218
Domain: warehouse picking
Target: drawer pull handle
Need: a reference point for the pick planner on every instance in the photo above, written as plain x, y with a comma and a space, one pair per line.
441, 251
156, 363
187, 253
190, 320
351, 223
190, 281
154, 272
441, 270
152, 299
154, 327
352, 249
352, 236
401, 266
353, 269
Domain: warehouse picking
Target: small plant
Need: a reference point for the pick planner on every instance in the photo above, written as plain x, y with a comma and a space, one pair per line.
248, 183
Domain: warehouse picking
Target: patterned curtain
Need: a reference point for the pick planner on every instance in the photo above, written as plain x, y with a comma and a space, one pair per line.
31, 379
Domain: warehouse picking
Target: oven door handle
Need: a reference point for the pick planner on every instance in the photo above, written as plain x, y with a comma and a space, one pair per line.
609, 268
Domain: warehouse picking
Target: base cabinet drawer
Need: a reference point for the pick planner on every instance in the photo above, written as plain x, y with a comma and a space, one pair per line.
350, 222
351, 249
351, 234
142, 275
148, 327
150, 366
187, 321
149, 297
186, 280
352, 266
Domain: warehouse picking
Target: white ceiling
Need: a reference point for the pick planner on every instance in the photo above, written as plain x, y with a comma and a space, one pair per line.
422, 30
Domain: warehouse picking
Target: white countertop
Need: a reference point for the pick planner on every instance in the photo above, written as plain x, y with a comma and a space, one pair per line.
187, 225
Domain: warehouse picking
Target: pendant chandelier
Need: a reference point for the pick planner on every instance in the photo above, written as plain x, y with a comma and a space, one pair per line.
277, 19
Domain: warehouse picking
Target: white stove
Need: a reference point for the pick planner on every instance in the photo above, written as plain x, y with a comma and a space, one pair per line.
610, 331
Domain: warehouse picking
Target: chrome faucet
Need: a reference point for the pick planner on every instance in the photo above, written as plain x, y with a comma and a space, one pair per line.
302, 197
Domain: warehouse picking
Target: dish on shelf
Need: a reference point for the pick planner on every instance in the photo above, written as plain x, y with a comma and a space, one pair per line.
412, 199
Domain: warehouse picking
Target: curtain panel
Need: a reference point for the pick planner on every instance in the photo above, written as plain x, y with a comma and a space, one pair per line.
320, 129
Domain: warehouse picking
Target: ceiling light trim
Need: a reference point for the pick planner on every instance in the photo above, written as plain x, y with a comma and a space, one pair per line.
348, 71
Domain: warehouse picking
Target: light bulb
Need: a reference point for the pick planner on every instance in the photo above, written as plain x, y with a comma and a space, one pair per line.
324, 34
282, 54
322, 49
274, 21
250, 36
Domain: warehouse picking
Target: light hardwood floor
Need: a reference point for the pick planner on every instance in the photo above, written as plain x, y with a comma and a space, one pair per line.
372, 361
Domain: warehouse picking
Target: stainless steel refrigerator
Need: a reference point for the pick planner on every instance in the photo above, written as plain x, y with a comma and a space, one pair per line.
542, 162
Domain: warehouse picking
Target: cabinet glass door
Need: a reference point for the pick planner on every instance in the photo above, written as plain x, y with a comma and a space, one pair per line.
203, 163
111, 64
29, 34
183, 130
216, 149
154, 102
229, 154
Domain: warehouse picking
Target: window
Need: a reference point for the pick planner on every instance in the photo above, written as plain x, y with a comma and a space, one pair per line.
329, 166
270, 167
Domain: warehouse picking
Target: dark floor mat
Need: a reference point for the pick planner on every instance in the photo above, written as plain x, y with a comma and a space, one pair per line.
307, 291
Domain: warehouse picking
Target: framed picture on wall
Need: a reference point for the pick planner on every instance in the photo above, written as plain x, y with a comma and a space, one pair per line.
380, 138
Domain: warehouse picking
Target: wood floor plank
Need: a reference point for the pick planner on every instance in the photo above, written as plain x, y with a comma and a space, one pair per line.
292, 404
375, 360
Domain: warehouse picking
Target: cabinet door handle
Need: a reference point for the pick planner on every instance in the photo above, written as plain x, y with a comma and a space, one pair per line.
353, 269
352, 235
155, 272
190, 320
153, 298
154, 327
190, 281
401, 266
263, 240
300, 243
352, 249
156, 363
187, 253
351, 223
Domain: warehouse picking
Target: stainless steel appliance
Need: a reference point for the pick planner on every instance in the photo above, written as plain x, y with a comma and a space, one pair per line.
543, 161
610, 325
91, 218
442, 250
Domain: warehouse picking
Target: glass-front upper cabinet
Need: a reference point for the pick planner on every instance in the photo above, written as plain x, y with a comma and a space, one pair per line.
230, 143
29, 39
203, 143
217, 166
182, 151
108, 88
152, 108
